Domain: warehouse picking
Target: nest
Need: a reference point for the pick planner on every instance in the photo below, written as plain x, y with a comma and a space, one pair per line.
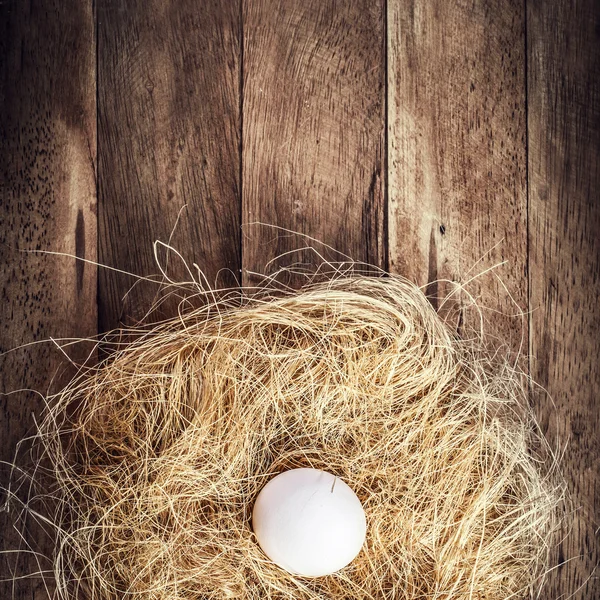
159, 452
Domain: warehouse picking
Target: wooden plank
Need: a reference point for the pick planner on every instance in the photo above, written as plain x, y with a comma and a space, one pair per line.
313, 131
457, 158
169, 128
564, 179
47, 202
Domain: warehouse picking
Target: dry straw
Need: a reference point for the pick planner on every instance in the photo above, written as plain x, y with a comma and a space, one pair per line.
158, 453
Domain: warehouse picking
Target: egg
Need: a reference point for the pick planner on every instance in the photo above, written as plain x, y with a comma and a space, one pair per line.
309, 522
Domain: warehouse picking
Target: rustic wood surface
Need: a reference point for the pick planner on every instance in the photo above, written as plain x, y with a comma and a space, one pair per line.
47, 202
313, 130
564, 204
168, 135
432, 139
457, 158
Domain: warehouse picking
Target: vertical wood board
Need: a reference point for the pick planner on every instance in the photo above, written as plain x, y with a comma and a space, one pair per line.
313, 131
169, 126
47, 203
457, 158
564, 183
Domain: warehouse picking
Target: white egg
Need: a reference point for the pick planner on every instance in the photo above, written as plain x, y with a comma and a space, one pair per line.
309, 522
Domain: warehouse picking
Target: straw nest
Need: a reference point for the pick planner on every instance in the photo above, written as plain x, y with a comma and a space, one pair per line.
159, 452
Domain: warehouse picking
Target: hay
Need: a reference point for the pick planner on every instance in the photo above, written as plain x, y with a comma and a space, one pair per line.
158, 454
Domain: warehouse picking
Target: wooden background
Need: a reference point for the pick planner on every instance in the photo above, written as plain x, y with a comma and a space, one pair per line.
431, 138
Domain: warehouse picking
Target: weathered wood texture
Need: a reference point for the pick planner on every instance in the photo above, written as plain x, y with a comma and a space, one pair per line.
313, 130
457, 157
47, 202
169, 127
275, 112
564, 197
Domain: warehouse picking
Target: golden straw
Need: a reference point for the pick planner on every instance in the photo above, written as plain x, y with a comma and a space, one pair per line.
158, 454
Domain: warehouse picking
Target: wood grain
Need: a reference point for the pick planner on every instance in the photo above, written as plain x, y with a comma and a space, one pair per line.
483, 116
457, 157
564, 184
169, 128
313, 131
47, 202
